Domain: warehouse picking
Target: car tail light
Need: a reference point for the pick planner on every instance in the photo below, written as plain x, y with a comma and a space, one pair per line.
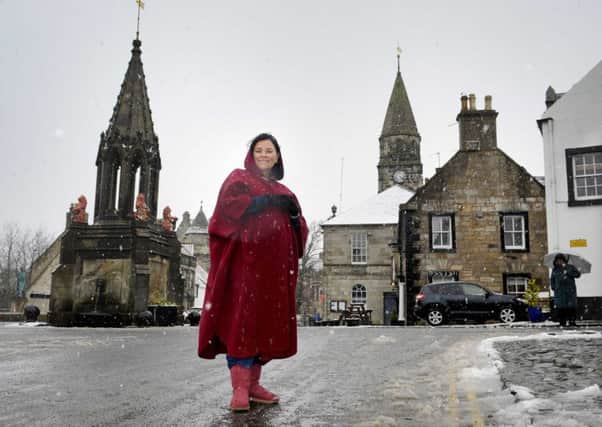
420, 297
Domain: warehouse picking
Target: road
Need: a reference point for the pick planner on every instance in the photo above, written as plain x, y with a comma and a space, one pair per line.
364, 376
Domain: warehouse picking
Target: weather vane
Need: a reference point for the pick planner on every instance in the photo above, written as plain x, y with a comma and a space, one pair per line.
140, 4
398, 55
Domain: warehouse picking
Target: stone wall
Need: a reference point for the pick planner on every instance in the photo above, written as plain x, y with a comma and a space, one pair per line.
114, 296
40, 278
158, 290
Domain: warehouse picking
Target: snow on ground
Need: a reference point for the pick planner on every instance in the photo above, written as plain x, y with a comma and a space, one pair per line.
23, 324
384, 339
517, 405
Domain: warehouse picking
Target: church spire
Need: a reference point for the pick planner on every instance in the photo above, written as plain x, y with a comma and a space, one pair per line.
399, 119
399, 161
201, 220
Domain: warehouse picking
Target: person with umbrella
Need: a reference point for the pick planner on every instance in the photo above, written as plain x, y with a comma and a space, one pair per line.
562, 282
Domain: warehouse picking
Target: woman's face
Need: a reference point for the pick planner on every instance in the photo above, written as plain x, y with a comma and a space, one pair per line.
265, 156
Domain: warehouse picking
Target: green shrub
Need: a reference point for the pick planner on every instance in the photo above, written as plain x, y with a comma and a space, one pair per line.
532, 293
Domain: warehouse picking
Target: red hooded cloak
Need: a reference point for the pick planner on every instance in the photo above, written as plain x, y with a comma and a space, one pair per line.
249, 306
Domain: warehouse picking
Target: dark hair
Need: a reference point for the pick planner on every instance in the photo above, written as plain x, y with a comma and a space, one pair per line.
562, 257
262, 137
278, 169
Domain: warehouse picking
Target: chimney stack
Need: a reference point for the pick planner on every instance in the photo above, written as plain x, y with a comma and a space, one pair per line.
487, 102
464, 101
477, 127
472, 99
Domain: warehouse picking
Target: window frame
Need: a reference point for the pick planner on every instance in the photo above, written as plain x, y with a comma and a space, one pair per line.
452, 232
573, 199
506, 276
360, 248
525, 234
363, 291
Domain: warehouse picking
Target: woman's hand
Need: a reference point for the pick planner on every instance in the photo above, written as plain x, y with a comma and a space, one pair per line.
286, 203
260, 203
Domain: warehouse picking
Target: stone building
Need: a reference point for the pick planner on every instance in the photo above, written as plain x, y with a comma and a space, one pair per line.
358, 262
571, 128
196, 234
125, 261
480, 218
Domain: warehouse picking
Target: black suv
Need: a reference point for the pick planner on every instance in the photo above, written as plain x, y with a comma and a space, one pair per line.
440, 302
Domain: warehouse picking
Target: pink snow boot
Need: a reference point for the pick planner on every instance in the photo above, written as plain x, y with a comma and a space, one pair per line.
241, 378
256, 392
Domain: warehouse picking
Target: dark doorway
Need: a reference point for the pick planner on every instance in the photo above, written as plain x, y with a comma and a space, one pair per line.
390, 304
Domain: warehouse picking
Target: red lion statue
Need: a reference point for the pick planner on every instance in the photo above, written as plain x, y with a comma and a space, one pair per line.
142, 211
78, 210
168, 221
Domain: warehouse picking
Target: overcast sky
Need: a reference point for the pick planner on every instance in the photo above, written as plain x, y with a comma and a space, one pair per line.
316, 73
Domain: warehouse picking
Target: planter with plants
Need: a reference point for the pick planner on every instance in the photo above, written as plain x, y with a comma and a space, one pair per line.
532, 298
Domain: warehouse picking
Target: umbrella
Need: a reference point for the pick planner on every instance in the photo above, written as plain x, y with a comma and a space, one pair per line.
580, 263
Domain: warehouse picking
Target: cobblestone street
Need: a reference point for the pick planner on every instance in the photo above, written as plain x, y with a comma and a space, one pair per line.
364, 376
555, 376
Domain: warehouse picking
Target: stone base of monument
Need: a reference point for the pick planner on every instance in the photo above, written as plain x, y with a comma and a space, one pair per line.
99, 319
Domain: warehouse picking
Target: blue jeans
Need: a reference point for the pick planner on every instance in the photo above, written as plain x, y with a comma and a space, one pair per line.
245, 362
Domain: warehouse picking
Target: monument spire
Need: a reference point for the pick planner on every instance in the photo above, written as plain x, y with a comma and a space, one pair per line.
128, 159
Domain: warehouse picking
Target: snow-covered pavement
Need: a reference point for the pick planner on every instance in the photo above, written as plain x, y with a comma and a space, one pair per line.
554, 378
342, 376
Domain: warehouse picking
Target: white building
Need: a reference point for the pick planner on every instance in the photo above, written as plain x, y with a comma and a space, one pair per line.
200, 285
572, 134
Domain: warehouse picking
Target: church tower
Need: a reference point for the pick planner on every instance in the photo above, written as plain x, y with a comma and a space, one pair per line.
399, 142
128, 160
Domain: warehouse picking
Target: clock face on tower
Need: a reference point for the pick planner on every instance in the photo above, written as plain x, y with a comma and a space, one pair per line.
399, 176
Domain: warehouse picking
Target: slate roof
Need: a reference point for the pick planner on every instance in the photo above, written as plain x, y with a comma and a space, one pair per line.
199, 224
382, 208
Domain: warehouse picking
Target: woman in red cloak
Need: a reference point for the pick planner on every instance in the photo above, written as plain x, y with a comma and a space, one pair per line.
256, 237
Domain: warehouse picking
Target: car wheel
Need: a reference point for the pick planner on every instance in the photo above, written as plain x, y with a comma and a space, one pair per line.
507, 315
434, 316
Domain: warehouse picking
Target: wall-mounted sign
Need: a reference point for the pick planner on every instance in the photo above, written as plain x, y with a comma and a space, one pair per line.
338, 306
443, 276
579, 243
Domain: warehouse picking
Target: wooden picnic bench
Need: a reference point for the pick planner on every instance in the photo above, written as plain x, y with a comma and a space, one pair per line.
356, 315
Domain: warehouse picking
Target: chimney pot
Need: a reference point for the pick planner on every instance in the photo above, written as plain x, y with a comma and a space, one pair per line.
464, 100
472, 100
488, 102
